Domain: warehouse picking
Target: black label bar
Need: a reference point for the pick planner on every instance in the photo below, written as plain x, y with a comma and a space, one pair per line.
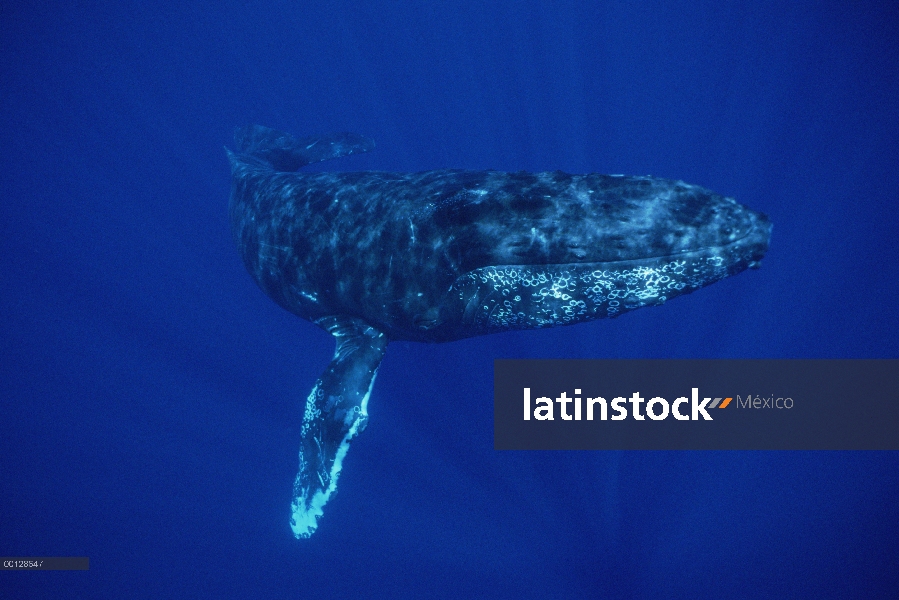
44, 563
696, 404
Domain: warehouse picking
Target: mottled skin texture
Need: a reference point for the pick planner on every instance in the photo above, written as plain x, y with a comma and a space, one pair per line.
388, 247
443, 255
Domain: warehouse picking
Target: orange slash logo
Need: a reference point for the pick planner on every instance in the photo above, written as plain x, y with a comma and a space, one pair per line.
722, 405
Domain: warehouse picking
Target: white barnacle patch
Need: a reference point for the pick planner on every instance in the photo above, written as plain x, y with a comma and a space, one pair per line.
528, 297
537, 236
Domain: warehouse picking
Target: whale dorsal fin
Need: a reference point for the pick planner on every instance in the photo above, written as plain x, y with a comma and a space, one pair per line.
287, 153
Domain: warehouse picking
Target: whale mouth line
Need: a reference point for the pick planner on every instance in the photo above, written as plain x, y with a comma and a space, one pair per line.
755, 230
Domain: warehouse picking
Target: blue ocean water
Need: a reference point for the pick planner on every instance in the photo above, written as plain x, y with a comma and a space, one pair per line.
151, 395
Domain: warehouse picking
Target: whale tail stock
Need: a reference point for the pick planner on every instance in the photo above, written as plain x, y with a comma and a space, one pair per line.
285, 153
336, 411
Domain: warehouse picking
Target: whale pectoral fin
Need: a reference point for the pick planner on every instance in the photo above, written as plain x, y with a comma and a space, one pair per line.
335, 413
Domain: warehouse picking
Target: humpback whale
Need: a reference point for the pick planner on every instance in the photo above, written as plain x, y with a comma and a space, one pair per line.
443, 255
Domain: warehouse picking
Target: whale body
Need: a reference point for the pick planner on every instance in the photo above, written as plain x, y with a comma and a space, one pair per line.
443, 255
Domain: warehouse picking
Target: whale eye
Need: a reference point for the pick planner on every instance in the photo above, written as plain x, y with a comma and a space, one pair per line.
427, 320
